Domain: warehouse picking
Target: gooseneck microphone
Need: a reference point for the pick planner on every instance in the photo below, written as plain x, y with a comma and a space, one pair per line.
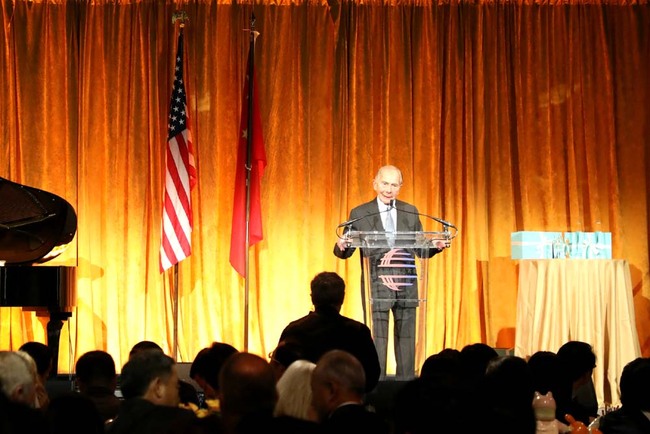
391, 205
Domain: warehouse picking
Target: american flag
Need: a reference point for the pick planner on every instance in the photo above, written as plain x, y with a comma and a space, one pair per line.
180, 175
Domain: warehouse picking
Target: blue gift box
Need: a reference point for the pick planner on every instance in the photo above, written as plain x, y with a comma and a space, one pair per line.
537, 245
589, 245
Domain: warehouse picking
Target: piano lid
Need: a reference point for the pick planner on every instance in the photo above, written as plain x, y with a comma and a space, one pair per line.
35, 226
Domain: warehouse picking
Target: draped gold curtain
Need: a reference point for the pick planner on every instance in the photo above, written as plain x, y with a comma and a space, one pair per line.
503, 116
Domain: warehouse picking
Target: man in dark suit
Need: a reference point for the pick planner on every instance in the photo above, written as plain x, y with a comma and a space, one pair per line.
326, 329
337, 385
149, 384
399, 293
633, 417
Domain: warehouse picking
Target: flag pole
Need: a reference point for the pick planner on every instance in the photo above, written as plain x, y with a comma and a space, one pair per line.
175, 313
249, 167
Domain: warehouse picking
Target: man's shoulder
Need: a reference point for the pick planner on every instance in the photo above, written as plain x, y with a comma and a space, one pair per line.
297, 324
366, 205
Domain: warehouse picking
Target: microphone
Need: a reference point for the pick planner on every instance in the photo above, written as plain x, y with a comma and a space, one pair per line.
391, 205
349, 222
445, 223
441, 221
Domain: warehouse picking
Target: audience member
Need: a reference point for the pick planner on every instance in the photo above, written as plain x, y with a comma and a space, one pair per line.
18, 377
294, 391
326, 329
577, 362
247, 393
438, 400
248, 396
96, 379
43, 357
206, 366
338, 384
633, 417
446, 363
149, 383
73, 413
187, 392
475, 357
17, 417
508, 396
287, 352
144, 345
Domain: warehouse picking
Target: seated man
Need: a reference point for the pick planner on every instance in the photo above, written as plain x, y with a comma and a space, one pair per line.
149, 384
187, 392
633, 417
326, 329
96, 379
338, 384
206, 365
18, 377
248, 397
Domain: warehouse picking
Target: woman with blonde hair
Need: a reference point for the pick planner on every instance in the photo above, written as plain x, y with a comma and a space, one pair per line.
294, 391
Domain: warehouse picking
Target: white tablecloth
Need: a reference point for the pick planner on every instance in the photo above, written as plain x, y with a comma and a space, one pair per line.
587, 300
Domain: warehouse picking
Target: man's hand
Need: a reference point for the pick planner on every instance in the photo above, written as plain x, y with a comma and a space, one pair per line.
343, 243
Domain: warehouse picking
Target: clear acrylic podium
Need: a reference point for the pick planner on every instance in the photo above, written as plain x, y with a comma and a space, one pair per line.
395, 265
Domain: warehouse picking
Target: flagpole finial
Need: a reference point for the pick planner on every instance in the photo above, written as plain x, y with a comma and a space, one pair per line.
181, 16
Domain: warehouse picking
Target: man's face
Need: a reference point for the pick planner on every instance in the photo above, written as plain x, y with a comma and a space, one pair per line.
387, 185
170, 387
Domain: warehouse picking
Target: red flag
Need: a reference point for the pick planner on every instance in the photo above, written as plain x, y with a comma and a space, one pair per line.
238, 247
180, 175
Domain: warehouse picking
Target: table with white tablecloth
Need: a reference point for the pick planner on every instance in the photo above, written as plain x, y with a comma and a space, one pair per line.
587, 300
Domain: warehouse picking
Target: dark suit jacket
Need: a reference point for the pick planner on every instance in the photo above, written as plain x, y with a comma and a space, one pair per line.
326, 329
139, 416
354, 419
622, 421
370, 219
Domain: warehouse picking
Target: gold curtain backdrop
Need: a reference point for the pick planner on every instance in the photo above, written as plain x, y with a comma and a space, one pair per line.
503, 116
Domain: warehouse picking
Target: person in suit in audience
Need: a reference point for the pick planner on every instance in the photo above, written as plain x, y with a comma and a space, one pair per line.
507, 396
206, 366
187, 392
149, 384
633, 417
576, 362
439, 397
248, 397
43, 357
326, 329
338, 386
96, 379
18, 377
386, 213
73, 413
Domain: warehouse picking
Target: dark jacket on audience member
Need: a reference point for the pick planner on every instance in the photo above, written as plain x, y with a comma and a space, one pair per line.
624, 421
140, 416
354, 419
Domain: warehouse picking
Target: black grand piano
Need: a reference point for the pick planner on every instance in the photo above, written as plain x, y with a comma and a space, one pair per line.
35, 227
